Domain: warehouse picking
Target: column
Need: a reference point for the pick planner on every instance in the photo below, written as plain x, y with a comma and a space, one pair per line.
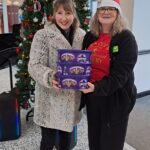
5, 16
127, 7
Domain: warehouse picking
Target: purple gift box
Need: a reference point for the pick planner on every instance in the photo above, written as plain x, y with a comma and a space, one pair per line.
73, 68
72, 55
73, 81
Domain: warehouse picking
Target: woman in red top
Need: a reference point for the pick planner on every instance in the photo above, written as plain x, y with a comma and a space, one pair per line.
111, 94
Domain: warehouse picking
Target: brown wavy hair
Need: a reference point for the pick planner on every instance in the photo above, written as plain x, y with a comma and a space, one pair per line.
68, 5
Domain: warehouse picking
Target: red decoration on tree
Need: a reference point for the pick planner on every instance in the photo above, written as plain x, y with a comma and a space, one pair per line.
86, 21
25, 23
30, 8
30, 36
17, 91
17, 50
26, 105
50, 18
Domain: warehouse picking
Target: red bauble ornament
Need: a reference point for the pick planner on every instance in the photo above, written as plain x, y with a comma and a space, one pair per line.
17, 50
17, 91
50, 18
25, 23
86, 21
26, 105
30, 8
30, 36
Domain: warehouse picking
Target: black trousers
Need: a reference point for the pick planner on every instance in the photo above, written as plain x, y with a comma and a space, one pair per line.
48, 140
100, 135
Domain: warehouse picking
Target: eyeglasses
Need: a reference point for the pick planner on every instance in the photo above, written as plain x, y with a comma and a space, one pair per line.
108, 9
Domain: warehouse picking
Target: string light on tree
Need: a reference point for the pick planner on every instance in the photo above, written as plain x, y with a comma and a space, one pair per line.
35, 19
85, 8
24, 39
20, 62
44, 20
74, 4
20, 45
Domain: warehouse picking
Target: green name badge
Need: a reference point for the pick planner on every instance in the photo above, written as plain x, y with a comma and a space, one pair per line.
115, 49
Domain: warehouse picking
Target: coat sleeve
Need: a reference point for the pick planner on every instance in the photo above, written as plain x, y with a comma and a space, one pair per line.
121, 67
38, 62
89, 38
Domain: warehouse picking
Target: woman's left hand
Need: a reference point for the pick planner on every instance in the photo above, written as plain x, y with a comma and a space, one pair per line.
90, 88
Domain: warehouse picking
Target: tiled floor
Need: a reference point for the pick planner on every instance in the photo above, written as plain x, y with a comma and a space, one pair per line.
30, 137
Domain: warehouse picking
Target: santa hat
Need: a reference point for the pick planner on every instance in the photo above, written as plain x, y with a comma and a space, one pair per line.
109, 3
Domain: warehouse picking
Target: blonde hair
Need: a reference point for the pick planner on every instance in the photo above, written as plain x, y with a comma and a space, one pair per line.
68, 5
119, 25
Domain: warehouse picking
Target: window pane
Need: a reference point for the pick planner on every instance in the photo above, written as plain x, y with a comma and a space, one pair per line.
1, 17
12, 13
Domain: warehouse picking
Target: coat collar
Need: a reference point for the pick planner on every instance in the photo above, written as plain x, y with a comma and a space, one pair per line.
53, 32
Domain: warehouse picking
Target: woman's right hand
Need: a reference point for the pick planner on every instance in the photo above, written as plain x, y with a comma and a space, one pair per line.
55, 84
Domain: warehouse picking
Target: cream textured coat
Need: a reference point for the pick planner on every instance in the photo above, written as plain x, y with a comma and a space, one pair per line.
53, 109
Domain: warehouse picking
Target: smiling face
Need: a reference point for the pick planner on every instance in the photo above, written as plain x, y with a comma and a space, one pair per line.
64, 18
107, 17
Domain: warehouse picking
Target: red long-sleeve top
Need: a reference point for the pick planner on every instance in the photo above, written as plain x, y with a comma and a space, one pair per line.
100, 57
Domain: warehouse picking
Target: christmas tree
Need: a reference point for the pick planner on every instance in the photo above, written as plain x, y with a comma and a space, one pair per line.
82, 8
34, 14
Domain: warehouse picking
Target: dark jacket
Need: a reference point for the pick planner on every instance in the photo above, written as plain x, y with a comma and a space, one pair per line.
118, 87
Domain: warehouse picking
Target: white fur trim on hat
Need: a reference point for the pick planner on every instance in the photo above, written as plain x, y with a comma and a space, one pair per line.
109, 3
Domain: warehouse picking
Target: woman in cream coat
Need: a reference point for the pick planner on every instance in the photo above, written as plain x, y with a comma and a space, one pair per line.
54, 109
